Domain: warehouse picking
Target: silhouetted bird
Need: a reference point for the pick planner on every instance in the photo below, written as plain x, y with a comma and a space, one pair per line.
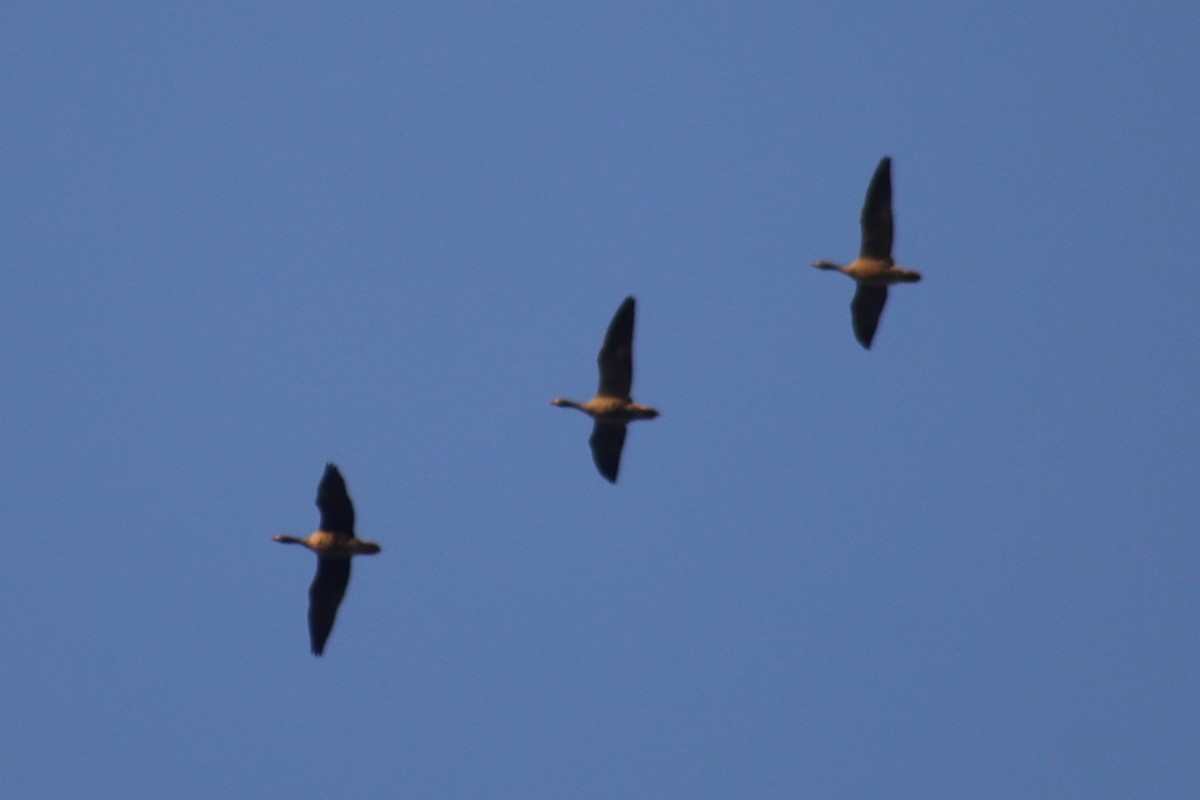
334, 543
874, 269
612, 408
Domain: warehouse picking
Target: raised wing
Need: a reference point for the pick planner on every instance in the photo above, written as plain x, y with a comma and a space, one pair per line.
606, 442
865, 309
337, 512
877, 214
616, 354
324, 596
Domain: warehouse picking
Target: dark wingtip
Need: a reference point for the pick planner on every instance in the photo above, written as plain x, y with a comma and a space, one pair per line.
610, 476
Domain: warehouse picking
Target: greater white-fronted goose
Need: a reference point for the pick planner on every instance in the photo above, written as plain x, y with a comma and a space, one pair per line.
612, 408
874, 269
334, 543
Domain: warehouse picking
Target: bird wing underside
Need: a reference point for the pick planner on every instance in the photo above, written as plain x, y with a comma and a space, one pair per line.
865, 310
877, 225
337, 512
324, 596
606, 442
616, 354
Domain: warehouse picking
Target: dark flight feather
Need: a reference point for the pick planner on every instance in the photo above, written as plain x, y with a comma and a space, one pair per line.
616, 354
876, 220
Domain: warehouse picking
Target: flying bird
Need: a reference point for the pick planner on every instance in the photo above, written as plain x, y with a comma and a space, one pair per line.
334, 543
612, 408
874, 269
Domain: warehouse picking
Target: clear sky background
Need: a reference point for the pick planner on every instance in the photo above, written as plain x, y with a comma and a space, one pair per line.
242, 239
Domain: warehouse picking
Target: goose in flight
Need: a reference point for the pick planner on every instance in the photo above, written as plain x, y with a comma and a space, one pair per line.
334, 543
612, 408
874, 269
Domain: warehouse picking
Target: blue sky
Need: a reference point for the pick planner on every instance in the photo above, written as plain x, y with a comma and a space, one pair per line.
242, 240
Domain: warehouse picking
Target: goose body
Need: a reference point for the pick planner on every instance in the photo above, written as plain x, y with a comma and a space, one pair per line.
335, 544
612, 409
874, 270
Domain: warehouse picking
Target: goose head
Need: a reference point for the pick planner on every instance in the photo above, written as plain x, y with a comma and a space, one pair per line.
828, 265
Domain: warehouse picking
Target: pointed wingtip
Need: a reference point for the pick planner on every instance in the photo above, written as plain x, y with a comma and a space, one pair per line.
864, 338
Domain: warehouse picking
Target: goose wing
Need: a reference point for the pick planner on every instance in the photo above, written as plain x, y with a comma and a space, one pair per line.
865, 309
337, 512
876, 216
606, 442
616, 354
324, 596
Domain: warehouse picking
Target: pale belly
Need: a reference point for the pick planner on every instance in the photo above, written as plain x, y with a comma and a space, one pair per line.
880, 273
